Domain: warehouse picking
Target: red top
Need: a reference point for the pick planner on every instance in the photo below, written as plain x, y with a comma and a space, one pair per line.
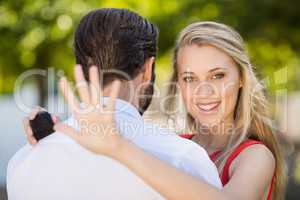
225, 173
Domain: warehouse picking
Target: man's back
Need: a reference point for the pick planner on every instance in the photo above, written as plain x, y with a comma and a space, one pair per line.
58, 168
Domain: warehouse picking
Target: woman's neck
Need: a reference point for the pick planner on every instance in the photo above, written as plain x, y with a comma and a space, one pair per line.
215, 138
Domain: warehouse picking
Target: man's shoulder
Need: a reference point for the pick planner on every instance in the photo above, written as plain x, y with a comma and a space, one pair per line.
28, 150
166, 141
57, 167
54, 154
20, 155
163, 131
54, 142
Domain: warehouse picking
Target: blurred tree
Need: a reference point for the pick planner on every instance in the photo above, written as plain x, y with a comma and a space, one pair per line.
38, 34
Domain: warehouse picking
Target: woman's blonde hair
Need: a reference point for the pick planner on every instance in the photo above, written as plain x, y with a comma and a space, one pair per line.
251, 111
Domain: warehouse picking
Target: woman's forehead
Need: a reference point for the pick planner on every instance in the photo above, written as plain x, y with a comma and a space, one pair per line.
203, 58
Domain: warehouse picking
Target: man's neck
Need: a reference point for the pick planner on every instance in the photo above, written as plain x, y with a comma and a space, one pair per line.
124, 95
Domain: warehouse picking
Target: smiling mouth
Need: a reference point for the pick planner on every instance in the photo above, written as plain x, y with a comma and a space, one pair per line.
208, 107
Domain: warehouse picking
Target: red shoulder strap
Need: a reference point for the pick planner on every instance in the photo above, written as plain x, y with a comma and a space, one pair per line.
186, 135
215, 155
271, 187
237, 151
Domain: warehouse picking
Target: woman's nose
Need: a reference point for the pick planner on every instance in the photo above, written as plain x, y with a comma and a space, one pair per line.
205, 89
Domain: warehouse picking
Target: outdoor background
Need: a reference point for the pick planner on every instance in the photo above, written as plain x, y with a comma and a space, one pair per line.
38, 34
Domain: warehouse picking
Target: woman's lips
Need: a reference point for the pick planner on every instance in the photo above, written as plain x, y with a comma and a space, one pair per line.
208, 107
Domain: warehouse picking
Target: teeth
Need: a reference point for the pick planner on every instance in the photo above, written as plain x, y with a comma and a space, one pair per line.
208, 107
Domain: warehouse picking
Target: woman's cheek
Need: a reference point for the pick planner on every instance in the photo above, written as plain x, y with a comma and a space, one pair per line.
186, 97
230, 100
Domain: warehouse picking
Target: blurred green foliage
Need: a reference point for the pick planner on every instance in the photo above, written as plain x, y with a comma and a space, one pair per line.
39, 33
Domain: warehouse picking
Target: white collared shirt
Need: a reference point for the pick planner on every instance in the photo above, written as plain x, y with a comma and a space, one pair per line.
58, 168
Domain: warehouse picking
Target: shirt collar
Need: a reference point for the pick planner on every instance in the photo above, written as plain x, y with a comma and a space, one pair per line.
123, 106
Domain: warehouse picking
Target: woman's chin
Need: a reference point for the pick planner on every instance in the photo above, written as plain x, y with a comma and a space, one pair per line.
209, 120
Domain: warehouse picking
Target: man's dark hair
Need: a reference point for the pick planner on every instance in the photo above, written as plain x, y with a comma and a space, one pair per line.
116, 39
110, 38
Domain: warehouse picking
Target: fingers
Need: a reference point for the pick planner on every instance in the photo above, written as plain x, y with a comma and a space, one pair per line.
32, 140
27, 127
95, 87
82, 85
68, 94
116, 85
29, 134
55, 119
67, 130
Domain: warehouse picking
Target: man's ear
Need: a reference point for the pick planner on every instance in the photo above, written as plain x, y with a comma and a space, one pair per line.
148, 69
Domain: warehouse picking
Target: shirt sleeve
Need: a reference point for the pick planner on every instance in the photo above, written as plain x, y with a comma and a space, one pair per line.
197, 163
181, 153
13, 163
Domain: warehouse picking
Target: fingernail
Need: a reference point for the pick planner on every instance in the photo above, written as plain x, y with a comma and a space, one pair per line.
94, 67
56, 119
77, 68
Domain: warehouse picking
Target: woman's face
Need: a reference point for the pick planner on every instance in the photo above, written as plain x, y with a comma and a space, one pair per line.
209, 80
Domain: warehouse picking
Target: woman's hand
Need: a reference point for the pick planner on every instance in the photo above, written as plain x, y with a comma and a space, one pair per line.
98, 132
26, 123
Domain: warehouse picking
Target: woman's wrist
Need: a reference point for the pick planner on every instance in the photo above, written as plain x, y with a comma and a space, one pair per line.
118, 147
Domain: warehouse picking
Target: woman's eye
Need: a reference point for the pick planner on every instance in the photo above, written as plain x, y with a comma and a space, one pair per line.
188, 79
218, 76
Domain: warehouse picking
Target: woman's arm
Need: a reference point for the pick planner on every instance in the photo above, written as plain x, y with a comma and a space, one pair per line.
249, 178
167, 180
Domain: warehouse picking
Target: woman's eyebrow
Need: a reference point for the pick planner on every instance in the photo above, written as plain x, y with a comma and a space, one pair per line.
211, 70
187, 72
217, 68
